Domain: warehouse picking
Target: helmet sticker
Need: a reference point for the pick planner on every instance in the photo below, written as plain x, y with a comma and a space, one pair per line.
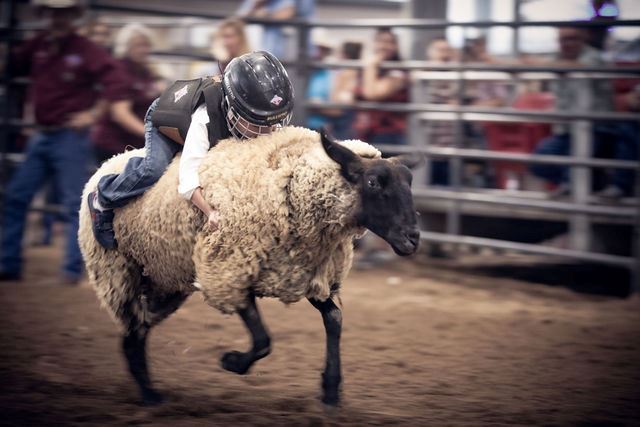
277, 116
180, 93
276, 100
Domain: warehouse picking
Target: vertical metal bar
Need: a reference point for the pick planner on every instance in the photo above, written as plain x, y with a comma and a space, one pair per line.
5, 113
425, 135
635, 271
303, 71
456, 164
581, 148
422, 175
415, 131
515, 46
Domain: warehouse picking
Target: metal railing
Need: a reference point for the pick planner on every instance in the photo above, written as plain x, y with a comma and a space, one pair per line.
578, 208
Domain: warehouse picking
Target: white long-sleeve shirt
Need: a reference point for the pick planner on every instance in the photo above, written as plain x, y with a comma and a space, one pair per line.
195, 148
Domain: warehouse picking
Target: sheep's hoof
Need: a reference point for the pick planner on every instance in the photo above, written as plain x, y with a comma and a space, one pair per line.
331, 410
151, 397
331, 398
236, 361
331, 389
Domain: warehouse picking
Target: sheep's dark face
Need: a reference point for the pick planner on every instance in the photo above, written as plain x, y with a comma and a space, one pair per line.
386, 204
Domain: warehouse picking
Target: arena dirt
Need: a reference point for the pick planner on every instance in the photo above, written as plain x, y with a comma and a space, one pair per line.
420, 347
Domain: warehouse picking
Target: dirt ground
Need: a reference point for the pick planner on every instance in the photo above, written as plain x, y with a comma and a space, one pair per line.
421, 345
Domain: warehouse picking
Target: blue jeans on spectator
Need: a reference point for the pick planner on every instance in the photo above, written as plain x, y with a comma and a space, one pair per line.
63, 154
140, 173
49, 218
618, 141
342, 125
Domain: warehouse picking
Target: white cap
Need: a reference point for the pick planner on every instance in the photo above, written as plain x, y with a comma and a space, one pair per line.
320, 37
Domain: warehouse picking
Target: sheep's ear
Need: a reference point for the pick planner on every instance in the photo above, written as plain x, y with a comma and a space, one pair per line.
350, 164
409, 160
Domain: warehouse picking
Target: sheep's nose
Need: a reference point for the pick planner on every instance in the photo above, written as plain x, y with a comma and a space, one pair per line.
413, 236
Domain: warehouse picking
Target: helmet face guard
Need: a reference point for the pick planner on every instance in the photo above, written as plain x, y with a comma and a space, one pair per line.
242, 128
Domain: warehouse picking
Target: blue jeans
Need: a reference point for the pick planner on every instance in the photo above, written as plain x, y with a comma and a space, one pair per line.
140, 173
64, 154
49, 218
618, 141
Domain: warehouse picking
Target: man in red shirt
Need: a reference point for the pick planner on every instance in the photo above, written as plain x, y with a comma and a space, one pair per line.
66, 71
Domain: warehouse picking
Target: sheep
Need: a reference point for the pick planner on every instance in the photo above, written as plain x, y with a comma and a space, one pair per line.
289, 207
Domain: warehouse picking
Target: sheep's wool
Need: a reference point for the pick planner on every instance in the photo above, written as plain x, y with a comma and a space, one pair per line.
286, 226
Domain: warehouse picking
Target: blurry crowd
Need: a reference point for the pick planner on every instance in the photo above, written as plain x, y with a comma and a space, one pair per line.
90, 88
578, 47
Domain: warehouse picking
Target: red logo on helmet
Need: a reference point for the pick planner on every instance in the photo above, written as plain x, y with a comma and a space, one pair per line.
276, 100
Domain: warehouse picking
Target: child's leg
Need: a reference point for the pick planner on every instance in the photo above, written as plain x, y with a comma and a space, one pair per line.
140, 173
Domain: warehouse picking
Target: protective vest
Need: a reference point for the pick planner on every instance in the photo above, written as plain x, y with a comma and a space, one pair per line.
172, 116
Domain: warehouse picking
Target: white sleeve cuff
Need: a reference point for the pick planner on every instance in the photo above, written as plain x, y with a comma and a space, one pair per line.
186, 191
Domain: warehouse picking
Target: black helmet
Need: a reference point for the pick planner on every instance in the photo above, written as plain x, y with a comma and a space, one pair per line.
258, 90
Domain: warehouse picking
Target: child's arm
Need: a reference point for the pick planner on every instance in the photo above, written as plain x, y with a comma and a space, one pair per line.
195, 148
212, 215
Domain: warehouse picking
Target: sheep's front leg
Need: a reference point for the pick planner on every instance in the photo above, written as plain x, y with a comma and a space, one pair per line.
240, 362
331, 377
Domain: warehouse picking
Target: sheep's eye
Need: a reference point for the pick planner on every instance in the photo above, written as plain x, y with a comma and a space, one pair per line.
372, 183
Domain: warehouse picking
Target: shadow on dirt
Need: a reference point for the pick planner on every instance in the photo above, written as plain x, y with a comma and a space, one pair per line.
583, 278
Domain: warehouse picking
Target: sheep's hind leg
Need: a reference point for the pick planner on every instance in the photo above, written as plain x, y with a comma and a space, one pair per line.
134, 347
150, 309
331, 377
240, 362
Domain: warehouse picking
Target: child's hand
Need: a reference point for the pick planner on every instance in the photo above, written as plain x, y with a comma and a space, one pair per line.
213, 219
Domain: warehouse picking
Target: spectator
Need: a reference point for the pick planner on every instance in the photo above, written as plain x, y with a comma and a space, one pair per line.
229, 41
616, 139
98, 32
343, 91
319, 87
380, 127
123, 126
274, 40
439, 51
627, 90
603, 10
383, 85
475, 50
64, 69
327, 86
483, 93
441, 133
